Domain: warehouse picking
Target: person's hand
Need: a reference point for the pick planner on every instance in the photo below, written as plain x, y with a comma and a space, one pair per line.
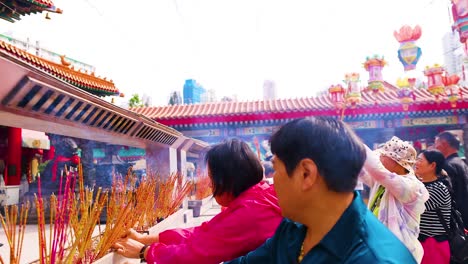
142, 238
132, 234
128, 247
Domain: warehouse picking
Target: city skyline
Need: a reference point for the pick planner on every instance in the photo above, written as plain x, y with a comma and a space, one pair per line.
234, 47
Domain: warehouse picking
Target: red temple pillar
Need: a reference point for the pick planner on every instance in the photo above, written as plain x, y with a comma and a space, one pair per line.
13, 160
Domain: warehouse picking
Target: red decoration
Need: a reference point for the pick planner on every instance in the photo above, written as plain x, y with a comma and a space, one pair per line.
435, 83
75, 159
337, 96
452, 90
49, 154
14, 156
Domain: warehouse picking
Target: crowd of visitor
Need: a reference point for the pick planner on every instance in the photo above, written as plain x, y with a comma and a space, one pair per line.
304, 204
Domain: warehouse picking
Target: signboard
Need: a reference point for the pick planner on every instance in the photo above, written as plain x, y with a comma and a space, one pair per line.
428, 121
34, 139
256, 130
363, 124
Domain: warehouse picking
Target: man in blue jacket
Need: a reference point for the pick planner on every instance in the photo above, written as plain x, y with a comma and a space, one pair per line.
317, 162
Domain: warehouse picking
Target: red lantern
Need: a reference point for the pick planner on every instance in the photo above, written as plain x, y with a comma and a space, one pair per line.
337, 96
452, 90
435, 83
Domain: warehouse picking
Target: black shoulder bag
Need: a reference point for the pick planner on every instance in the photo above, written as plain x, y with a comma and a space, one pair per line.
458, 239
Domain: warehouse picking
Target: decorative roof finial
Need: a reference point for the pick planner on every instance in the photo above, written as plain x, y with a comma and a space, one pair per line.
64, 61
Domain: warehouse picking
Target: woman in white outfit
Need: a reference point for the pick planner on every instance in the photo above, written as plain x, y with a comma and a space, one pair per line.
397, 197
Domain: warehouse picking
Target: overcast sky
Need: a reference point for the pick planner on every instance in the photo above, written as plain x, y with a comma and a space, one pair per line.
152, 46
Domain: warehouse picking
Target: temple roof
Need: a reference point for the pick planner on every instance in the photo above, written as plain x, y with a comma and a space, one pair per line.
63, 71
12, 10
372, 104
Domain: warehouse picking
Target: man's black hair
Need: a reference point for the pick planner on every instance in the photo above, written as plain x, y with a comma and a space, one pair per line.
336, 150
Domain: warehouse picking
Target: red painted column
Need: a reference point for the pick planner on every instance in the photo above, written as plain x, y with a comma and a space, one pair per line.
13, 161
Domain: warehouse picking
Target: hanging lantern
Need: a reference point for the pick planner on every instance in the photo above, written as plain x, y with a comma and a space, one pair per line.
405, 93
353, 95
337, 96
435, 83
460, 20
452, 90
374, 66
408, 53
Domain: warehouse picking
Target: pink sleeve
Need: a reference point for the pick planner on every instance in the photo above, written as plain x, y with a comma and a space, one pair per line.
228, 235
175, 236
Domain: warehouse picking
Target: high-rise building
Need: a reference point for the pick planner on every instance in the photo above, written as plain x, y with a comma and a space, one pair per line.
147, 100
453, 54
269, 90
209, 96
192, 92
175, 98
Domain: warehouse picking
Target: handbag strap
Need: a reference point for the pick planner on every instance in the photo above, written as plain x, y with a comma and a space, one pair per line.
442, 220
378, 197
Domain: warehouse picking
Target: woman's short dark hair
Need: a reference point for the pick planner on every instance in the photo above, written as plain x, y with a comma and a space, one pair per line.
233, 167
433, 155
336, 150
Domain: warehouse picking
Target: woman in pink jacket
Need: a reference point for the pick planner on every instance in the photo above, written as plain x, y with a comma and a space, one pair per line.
252, 215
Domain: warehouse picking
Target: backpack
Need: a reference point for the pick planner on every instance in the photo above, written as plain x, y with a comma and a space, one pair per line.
457, 235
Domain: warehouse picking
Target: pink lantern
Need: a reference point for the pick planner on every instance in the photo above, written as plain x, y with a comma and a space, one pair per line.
452, 90
408, 53
435, 83
337, 95
353, 95
374, 66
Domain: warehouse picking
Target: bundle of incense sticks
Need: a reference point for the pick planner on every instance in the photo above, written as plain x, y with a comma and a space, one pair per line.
180, 193
145, 196
203, 187
171, 193
38, 200
85, 213
121, 214
15, 237
83, 220
73, 219
61, 207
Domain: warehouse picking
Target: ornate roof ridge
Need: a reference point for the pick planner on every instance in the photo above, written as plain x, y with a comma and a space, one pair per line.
67, 73
321, 103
